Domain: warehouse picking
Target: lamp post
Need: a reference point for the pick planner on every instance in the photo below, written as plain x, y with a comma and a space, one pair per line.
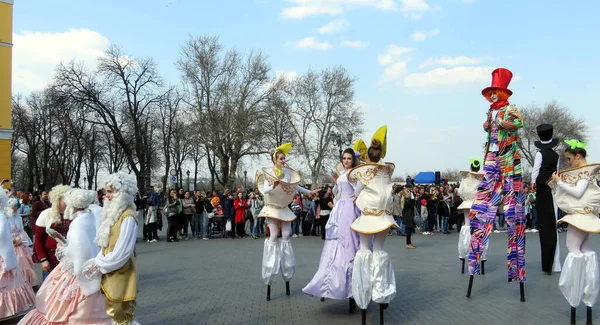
340, 141
188, 179
245, 180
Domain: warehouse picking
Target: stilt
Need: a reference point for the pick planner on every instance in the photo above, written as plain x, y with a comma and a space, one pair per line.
352, 307
287, 288
381, 309
482, 267
364, 316
470, 286
269, 292
589, 316
462, 269
573, 312
322, 298
522, 289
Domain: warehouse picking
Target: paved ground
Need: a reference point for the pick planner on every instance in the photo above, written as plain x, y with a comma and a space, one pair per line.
218, 282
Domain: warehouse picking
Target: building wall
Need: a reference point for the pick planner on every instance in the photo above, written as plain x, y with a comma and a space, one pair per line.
6, 26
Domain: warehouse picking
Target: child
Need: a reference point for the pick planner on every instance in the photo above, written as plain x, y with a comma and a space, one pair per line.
424, 216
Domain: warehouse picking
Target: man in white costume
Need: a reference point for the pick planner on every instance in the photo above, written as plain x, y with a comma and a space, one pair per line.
115, 263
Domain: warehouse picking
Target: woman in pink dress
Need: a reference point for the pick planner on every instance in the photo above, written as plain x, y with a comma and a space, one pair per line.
16, 296
66, 297
22, 242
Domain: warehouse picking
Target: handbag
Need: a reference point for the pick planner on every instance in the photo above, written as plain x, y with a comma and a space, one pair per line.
418, 220
228, 225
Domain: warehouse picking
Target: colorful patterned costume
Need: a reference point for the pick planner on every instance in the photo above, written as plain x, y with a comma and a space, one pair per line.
502, 183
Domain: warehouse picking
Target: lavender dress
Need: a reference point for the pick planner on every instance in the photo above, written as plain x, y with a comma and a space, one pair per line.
334, 277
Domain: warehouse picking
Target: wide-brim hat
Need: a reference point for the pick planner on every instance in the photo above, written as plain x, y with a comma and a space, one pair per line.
545, 132
501, 78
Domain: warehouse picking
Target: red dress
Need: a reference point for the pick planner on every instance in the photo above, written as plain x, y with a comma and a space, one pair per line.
240, 207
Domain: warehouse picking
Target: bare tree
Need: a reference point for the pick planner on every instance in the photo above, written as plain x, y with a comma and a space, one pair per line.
121, 97
452, 175
321, 104
227, 90
566, 126
167, 115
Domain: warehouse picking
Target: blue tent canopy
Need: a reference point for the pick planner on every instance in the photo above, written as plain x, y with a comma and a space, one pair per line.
425, 178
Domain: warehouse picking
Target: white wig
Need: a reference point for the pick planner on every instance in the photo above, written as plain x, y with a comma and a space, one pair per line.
77, 198
8, 207
125, 188
56, 193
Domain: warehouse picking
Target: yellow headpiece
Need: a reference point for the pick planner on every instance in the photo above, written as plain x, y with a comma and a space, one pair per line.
284, 148
361, 147
381, 135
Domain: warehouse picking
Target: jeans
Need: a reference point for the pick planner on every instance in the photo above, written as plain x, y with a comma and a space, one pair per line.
445, 224
400, 222
45, 275
257, 226
424, 226
296, 224
431, 222
534, 218
205, 224
500, 219
197, 224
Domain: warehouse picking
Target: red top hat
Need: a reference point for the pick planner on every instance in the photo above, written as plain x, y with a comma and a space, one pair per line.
500, 79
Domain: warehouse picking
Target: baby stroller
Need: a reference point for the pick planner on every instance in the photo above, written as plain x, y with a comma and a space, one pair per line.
217, 226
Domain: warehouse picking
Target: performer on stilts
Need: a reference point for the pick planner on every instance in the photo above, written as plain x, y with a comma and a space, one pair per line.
577, 194
16, 295
279, 186
467, 191
545, 164
66, 297
334, 275
502, 183
115, 263
373, 274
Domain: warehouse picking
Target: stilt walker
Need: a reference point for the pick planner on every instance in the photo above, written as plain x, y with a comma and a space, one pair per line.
502, 183
373, 274
279, 185
577, 194
545, 164
467, 191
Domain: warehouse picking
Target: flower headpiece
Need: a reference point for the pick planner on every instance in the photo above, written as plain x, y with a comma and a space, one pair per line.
575, 144
475, 162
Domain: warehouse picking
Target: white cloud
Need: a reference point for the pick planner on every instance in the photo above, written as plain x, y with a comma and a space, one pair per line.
423, 35
454, 61
288, 75
36, 55
313, 43
306, 8
334, 27
392, 54
395, 62
355, 44
448, 77
300, 12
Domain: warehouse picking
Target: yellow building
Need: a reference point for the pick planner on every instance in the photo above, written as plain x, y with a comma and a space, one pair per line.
6, 26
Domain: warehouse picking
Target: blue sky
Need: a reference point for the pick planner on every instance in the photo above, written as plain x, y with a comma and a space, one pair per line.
420, 64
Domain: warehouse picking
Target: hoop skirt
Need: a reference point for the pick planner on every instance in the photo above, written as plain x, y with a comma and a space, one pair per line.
16, 296
334, 277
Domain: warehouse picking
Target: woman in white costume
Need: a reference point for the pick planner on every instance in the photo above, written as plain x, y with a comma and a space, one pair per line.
279, 186
22, 242
577, 194
66, 297
373, 274
16, 296
467, 191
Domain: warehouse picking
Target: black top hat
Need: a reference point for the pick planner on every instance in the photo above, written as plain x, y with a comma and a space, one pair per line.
545, 132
